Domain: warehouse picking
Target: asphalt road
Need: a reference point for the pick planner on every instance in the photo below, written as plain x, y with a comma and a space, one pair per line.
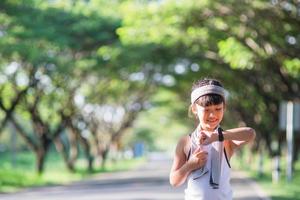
149, 182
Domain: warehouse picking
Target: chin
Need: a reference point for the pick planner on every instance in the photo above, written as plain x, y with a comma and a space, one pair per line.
212, 127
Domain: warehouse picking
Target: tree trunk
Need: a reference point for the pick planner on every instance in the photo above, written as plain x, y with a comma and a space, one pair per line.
104, 154
41, 154
87, 152
73, 147
61, 148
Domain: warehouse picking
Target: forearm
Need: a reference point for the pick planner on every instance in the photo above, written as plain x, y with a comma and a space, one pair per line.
240, 134
178, 177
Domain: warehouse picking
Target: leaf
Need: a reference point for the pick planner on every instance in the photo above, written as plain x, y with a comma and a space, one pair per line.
234, 53
292, 67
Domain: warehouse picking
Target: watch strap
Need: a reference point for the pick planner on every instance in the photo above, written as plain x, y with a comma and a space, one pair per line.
220, 134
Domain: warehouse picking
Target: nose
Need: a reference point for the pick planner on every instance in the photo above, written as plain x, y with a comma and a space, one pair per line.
211, 114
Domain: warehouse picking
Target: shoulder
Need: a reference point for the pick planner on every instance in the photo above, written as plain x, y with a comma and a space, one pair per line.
183, 145
184, 139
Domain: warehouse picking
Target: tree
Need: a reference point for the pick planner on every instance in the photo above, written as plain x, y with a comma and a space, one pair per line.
253, 43
55, 55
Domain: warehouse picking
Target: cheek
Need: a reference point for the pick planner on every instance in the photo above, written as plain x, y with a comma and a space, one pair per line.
221, 114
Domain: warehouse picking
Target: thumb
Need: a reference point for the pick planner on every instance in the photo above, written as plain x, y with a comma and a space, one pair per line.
203, 137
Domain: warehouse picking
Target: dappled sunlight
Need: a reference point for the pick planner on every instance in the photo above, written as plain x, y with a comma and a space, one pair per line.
87, 85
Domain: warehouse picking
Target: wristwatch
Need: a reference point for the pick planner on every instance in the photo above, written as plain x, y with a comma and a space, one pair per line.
220, 133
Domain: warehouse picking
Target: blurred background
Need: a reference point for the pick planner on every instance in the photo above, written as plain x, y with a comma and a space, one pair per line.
89, 86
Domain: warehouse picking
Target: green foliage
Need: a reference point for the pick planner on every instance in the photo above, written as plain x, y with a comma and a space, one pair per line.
111, 52
282, 190
252, 43
160, 127
11, 177
22, 173
293, 67
234, 53
7, 91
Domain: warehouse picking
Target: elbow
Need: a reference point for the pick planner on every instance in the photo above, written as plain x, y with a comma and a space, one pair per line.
252, 134
173, 182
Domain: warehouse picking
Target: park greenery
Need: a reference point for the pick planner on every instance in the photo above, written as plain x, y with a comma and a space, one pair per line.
89, 79
17, 172
278, 190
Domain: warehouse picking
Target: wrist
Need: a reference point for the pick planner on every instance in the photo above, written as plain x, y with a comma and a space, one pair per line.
215, 136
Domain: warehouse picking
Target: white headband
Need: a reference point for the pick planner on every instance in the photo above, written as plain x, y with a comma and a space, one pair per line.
207, 89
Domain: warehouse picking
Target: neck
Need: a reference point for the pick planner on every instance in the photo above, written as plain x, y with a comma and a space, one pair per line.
207, 129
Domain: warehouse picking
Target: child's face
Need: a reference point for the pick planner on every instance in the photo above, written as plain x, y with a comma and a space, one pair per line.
209, 116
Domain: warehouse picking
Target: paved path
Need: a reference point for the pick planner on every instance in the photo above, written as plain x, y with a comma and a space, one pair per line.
147, 183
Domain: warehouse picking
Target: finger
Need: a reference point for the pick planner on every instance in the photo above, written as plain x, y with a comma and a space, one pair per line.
202, 161
203, 138
204, 134
201, 153
202, 157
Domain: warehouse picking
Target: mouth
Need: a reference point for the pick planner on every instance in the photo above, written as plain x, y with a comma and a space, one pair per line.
212, 121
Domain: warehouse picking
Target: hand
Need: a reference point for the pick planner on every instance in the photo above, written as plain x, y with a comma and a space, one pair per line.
208, 137
198, 159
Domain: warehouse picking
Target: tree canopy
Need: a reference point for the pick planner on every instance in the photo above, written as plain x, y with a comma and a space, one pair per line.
89, 72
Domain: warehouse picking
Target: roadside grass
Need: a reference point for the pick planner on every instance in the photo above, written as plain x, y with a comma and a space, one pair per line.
282, 190
19, 172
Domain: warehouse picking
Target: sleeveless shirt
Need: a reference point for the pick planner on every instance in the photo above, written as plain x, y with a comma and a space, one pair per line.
198, 188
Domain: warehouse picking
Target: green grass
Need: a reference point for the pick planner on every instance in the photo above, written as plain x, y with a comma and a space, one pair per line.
283, 190
22, 173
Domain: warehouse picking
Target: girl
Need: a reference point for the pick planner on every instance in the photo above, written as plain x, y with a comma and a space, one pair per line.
202, 158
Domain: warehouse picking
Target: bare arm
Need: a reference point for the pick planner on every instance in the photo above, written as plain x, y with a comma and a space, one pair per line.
240, 136
182, 168
233, 138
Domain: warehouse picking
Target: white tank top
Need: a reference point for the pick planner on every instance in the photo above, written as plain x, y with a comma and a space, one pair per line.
200, 189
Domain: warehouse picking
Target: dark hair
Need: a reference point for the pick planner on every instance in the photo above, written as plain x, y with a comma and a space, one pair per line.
208, 99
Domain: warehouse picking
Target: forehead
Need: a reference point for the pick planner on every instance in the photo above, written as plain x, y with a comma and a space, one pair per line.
210, 99
220, 105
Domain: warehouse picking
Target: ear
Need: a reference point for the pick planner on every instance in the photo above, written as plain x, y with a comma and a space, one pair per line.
194, 109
